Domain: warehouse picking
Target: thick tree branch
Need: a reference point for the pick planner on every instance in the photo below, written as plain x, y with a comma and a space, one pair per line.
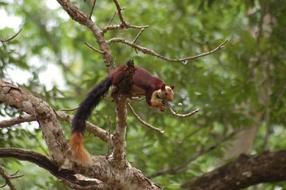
184, 165
97, 131
119, 154
154, 53
45, 115
17, 120
243, 172
43, 162
102, 169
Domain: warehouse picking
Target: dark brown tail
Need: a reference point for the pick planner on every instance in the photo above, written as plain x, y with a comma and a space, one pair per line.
78, 123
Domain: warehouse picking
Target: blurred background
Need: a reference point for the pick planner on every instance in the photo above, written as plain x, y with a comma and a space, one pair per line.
240, 90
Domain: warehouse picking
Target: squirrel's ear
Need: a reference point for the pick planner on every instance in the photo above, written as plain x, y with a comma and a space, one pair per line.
172, 86
163, 87
130, 62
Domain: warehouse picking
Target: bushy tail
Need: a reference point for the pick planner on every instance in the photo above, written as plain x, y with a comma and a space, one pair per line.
78, 123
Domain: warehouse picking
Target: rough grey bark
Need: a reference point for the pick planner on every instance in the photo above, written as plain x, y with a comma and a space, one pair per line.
45, 115
243, 172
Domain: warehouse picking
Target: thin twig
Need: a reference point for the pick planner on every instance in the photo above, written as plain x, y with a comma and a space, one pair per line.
138, 35
70, 109
7, 179
119, 11
111, 19
90, 14
154, 53
123, 24
94, 129
80, 17
120, 26
145, 124
183, 166
12, 37
182, 115
93, 49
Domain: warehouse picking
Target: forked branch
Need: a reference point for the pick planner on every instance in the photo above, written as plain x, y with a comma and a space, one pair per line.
156, 54
124, 24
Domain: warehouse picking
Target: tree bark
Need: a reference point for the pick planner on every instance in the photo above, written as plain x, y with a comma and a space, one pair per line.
243, 172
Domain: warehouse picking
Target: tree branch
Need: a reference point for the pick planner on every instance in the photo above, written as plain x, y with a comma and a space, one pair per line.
123, 24
7, 179
83, 19
17, 120
184, 165
119, 154
145, 124
154, 53
23, 100
182, 115
97, 131
93, 5
11, 38
94, 129
243, 172
43, 162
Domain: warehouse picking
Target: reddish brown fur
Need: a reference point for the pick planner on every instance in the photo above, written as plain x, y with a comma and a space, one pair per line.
80, 155
143, 84
142, 79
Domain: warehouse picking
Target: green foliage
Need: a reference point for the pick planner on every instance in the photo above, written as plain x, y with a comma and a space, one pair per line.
230, 87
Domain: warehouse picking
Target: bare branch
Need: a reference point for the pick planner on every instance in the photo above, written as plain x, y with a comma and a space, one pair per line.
12, 37
93, 49
69, 109
23, 100
184, 165
99, 132
138, 35
88, 187
154, 53
182, 115
7, 179
243, 172
17, 120
119, 12
119, 154
123, 24
111, 19
90, 14
145, 124
43, 162
83, 19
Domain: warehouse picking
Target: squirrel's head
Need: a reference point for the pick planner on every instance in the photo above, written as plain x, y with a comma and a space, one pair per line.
166, 92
